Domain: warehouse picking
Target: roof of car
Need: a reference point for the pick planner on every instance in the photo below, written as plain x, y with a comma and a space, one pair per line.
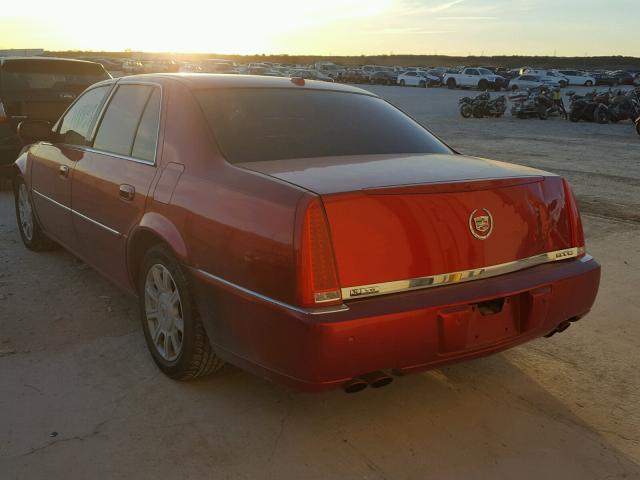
198, 81
49, 59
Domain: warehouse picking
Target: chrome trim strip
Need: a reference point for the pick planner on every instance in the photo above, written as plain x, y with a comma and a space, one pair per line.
51, 200
309, 311
375, 289
109, 229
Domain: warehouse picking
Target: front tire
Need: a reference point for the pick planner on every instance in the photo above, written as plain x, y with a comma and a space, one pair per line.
451, 84
30, 230
172, 327
402, 83
466, 111
588, 83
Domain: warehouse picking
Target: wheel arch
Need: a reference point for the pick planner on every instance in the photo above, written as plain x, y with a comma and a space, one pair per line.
153, 229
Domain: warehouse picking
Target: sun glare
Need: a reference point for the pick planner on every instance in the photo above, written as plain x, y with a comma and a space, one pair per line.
251, 26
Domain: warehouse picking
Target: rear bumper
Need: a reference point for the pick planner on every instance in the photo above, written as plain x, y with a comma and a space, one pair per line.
404, 332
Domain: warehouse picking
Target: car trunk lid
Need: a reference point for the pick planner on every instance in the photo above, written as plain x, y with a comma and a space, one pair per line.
397, 218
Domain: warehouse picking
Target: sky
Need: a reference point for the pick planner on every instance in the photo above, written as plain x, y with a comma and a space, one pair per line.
328, 27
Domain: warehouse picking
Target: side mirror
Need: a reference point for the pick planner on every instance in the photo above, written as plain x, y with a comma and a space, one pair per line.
31, 131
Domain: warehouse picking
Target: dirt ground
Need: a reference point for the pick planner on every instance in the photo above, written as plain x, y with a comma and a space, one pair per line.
81, 399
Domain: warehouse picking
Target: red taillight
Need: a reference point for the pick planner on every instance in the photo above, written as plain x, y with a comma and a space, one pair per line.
318, 279
575, 222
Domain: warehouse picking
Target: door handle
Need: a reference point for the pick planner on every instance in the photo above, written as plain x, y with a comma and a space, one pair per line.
127, 192
64, 171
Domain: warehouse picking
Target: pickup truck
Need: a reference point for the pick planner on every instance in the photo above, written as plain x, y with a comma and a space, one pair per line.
481, 78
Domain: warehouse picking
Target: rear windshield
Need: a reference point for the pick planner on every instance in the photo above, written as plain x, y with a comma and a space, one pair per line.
20, 75
259, 124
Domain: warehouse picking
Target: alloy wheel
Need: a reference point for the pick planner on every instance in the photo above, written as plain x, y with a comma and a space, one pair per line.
25, 212
163, 311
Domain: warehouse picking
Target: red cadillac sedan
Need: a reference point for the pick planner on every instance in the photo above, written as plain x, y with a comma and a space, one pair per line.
305, 231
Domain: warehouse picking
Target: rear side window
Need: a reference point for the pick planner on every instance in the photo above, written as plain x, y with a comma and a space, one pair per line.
278, 123
76, 123
144, 145
121, 119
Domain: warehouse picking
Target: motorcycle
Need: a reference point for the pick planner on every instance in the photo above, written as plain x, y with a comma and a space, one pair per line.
548, 106
591, 107
534, 103
483, 106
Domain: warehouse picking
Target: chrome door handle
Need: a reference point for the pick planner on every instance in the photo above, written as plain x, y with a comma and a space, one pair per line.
64, 171
127, 192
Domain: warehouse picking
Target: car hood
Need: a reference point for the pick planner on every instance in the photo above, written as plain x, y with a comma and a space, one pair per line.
326, 175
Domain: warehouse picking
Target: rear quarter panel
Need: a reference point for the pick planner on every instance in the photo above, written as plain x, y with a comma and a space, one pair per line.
235, 224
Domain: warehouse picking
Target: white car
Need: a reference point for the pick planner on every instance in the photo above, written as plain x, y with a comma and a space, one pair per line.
473, 77
532, 81
549, 75
577, 77
417, 79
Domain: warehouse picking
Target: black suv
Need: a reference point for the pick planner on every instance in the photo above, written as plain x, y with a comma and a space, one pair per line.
38, 88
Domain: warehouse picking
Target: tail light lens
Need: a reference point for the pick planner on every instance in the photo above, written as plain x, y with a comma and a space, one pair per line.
318, 279
575, 222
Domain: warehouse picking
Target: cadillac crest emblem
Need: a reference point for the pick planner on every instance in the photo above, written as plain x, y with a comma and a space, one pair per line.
481, 223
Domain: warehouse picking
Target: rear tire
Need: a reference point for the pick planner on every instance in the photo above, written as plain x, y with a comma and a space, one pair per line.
30, 230
422, 84
638, 128
172, 327
514, 88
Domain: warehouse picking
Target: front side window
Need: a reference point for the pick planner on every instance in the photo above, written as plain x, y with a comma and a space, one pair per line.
76, 123
279, 123
119, 124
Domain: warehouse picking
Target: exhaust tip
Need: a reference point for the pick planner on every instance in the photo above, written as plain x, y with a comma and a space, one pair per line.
559, 329
381, 382
377, 379
354, 385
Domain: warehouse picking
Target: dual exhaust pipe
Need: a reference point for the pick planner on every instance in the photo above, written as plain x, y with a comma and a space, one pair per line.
562, 327
374, 380
380, 379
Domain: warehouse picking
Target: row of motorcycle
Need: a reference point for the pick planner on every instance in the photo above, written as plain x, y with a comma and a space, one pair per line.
595, 106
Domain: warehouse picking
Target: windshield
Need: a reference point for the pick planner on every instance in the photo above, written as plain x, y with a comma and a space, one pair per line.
57, 75
261, 124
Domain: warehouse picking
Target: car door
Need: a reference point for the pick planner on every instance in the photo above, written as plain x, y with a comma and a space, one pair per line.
472, 77
53, 163
112, 181
409, 78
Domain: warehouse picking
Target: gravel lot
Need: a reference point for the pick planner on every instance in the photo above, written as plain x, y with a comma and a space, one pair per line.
81, 398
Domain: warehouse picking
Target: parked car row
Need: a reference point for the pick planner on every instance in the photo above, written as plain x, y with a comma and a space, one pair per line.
480, 77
